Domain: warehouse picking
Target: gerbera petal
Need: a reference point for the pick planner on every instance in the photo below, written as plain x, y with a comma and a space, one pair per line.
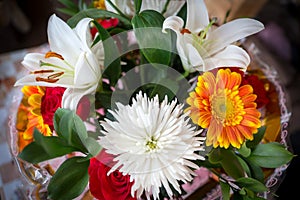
197, 16
224, 34
251, 121
228, 111
245, 90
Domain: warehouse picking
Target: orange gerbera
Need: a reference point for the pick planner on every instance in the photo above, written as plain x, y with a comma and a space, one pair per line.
226, 108
29, 115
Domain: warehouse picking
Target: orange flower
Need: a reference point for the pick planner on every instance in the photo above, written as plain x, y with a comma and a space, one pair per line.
226, 108
29, 115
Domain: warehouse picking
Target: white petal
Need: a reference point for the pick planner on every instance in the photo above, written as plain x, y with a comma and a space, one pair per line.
71, 98
32, 62
98, 50
195, 59
231, 56
197, 16
126, 7
82, 31
232, 32
87, 71
158, 5
63, 40
174, 23
30, 79
173, 8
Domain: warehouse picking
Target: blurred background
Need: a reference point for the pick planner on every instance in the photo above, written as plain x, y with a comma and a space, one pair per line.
23, 28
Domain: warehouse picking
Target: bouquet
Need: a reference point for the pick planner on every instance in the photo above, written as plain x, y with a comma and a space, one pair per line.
133, 98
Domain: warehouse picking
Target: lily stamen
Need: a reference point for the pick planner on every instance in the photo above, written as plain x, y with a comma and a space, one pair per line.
46, 80
53, 54
43, 71
185, 30
56, 75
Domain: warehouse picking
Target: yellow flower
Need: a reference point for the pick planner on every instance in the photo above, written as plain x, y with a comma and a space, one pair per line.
227, 109
29, 115
100, 4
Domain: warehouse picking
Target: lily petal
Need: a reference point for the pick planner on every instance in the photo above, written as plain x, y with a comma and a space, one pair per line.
231, 32
72, 96
81, 30
30, 79
194, 59
231, 56
197, 16
32, 62
127, 7
85, 73
63, 40
174, 23
173, 7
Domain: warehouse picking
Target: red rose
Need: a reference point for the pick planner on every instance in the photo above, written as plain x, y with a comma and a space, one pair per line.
51, 101
83, 108
106, 23
112, 187
258, 89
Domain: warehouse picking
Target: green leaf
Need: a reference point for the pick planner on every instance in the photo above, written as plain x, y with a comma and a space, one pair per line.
137, 6
215, 156
256, 171
45, 148
70, 180
257, 137
112, 62
57, 117
228, 160
155, 45
69, 4
69, 132
244, 150
67, 11
92, 146
225, 188
95, 13
245, 166
251, 184
270, 155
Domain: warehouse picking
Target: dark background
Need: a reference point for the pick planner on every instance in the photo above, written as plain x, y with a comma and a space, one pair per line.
23, 24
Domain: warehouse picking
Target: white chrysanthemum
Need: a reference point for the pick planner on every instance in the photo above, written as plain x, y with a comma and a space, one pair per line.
153, 143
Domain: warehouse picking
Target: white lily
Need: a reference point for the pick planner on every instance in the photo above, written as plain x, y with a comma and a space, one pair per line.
71, 63
203, 47
127, 6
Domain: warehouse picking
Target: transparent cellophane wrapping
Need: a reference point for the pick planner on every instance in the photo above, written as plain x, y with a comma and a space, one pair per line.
275, 116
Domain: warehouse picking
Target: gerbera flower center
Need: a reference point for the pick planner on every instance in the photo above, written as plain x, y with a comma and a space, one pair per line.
227, 107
